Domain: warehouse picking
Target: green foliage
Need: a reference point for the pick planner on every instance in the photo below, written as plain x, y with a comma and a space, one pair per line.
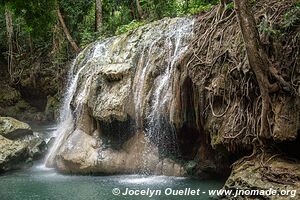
157, 9
289, 22
86, 28
252, 2
267, 29
292, 17
74, 12
115, 14
230, 6
38, 33
199, 8
39, 15
128, 27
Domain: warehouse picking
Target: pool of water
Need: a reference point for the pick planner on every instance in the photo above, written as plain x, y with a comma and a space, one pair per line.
39, 183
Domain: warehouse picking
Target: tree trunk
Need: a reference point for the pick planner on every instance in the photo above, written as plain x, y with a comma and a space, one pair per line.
66, 31
9, 31
258, 59
139, 9
98, 15
132, 10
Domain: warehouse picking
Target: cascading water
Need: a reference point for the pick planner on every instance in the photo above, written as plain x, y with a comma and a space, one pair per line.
157, 131
66, 120
112, 83
140, 86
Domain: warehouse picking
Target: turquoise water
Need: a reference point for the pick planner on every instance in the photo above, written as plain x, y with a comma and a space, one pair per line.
43, 184
40, 183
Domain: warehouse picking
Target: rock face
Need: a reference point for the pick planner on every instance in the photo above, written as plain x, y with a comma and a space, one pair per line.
13, 129
12, 104
273, 172
120, 118
12, 153
18, 146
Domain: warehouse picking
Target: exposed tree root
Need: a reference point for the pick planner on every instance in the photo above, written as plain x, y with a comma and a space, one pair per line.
240, 94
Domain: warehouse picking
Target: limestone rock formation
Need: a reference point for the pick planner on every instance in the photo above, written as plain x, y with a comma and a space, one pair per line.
18, 145
120, 97
11, 154
13, 129
273, 172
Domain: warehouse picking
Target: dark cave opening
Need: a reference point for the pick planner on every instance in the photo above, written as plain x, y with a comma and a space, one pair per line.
189, 135
290, 148
34, 97
188, 141
115, 133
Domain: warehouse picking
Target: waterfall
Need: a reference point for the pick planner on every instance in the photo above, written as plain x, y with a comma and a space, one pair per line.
138, 95
127, 77
66, 121
156, 131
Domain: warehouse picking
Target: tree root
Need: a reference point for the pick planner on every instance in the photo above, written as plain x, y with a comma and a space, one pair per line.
248, 93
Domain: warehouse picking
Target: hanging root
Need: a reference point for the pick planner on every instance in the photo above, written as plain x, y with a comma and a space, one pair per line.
219, 64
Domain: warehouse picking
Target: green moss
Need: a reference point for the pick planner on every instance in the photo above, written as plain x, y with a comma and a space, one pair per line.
52, 108
230, 6
129, 27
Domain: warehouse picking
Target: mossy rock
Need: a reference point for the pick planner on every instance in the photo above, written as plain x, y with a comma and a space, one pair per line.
13, 129
52, 108
278, 173
9, 96
12, 153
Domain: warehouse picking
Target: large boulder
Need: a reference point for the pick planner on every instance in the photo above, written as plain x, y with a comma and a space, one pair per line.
11, 154
265, 173
13, 129
18, 145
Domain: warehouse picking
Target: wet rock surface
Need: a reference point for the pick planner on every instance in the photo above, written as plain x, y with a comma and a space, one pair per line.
18, 145
121, 95
12, 153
